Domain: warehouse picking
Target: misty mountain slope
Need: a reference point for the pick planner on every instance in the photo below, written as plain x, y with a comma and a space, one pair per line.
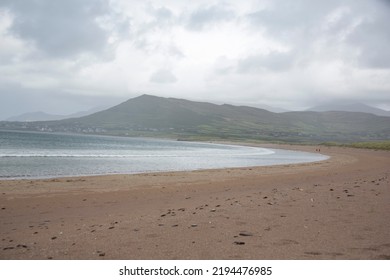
341, 126
42, 116
153, 116
35, 116
350, 107
150, 112
157, 112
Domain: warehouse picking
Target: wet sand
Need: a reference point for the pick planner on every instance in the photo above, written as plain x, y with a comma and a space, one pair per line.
334, 209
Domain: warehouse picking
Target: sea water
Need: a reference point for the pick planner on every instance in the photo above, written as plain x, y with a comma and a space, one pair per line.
43, 155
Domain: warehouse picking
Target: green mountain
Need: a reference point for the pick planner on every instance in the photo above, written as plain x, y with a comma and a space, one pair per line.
177, 118
346, 106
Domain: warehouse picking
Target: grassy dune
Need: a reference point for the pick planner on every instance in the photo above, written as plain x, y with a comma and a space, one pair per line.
382, 145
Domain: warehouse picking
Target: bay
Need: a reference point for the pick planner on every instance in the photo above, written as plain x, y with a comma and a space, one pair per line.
25, 155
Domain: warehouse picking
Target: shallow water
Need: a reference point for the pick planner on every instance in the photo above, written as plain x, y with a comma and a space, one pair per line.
42, 155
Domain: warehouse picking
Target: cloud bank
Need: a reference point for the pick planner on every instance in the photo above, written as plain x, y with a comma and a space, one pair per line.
291, 54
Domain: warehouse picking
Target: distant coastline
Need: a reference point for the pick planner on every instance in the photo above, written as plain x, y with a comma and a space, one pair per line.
35, 155
157, 117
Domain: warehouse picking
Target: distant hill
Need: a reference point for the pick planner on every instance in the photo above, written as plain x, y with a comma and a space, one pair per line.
350, 107
265, 107
42, 116
153, 116
35, 116
272, 109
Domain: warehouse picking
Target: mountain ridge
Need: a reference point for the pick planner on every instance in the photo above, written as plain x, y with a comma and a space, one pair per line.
153, 116
34, 116
350, 107
43, 116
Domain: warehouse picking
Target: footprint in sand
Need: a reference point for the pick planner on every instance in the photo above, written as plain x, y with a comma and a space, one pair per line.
313, 253
245, 233
284, 242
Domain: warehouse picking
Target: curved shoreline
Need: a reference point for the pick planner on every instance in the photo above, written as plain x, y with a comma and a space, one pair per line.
40, 165
332, 209
32, 186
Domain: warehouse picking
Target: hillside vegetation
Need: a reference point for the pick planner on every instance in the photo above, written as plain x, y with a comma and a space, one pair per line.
153, 116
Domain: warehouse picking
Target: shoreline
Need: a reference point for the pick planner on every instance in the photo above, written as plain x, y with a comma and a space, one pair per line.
227, 144
331, 209
25, 183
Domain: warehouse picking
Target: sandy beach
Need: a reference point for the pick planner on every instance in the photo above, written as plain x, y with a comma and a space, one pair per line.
334, 209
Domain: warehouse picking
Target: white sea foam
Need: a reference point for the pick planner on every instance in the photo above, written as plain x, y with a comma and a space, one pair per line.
39, 155
44, 154
131, 154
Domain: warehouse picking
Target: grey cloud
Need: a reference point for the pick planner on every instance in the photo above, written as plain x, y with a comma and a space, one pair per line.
163, 76
300, 23
163, 14
161, 18
175, 51
287, 16
274, 61
224, 70
372, 37
151, 46
207, 15
296, 24
60, 28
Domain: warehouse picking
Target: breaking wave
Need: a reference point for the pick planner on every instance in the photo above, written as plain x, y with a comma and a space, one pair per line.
131, 154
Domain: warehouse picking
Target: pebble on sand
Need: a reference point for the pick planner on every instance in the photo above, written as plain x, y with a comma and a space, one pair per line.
245, 233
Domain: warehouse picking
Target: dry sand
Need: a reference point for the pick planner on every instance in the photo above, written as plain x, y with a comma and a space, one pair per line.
334, 209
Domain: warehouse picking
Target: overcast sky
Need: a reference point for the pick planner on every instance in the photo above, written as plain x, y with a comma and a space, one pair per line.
66, 56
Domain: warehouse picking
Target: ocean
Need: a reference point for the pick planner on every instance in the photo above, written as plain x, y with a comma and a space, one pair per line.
27, 155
